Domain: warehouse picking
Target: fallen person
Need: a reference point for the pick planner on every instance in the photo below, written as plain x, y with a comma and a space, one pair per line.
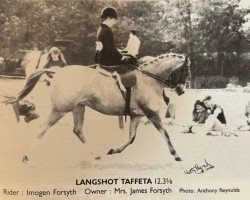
200, 112
215, 123
207, 119
199, 116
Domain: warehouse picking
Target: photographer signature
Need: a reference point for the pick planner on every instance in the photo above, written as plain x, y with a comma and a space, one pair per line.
199, 169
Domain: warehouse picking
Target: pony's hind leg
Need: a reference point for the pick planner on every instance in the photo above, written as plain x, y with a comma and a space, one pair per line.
120, 121
53, 118
155, 119
78, 115
134, 122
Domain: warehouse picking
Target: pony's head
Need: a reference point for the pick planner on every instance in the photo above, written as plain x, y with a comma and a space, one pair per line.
173, 68
178, 77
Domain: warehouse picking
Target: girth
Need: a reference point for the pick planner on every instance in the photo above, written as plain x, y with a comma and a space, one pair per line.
125, 80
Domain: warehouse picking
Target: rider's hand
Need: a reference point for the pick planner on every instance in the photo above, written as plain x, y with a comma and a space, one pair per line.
125, 58
99, 46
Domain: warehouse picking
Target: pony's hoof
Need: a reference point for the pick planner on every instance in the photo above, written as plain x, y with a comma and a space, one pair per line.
79, 135
82, 139
111, 151
178, 159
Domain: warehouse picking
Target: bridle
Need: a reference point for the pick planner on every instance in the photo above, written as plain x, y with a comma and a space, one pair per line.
166, 82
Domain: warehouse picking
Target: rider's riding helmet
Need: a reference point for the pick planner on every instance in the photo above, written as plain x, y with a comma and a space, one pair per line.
109, 12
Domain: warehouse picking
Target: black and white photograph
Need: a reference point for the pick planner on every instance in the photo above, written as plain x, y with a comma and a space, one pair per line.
124, 99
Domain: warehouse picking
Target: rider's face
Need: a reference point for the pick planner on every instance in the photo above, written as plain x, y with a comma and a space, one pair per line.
113, 21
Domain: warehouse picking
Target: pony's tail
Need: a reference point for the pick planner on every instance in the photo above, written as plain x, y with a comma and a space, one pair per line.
29, 86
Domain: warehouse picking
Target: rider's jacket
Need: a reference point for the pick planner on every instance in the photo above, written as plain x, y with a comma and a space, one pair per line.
109, 55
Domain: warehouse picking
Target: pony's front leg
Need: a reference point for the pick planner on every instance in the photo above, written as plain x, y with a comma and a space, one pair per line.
53, 118
78, 115
156, 120
134, 122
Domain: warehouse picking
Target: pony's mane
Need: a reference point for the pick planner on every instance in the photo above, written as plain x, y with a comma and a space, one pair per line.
166, 66
163, 56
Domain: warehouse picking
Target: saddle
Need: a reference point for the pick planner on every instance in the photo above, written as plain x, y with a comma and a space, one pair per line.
128, 79
125, 79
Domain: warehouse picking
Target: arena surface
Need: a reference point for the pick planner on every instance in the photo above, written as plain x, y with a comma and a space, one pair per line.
60, 158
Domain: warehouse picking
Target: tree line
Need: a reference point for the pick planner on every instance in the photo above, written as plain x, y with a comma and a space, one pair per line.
207, 29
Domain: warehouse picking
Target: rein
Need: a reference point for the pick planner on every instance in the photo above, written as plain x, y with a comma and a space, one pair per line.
164, 81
